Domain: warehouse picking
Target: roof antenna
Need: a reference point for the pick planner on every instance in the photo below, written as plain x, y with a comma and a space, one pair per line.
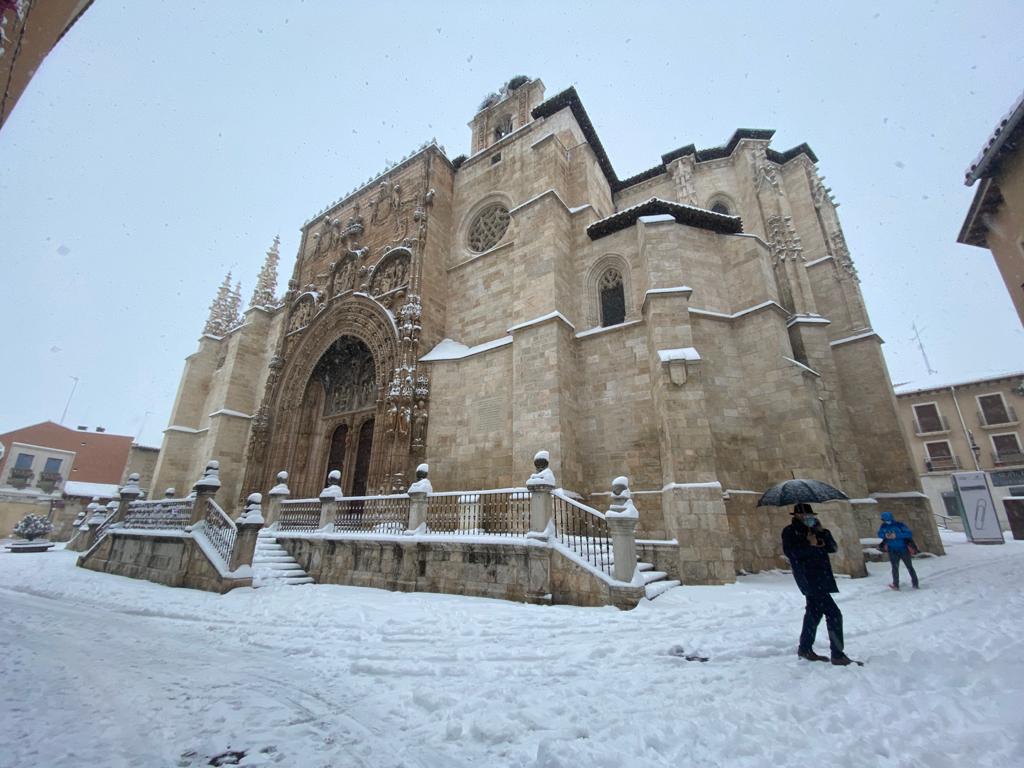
68, 403
920, 345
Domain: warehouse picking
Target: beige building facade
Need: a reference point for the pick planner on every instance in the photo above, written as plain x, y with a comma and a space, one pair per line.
698, 327
996, 216
966, 426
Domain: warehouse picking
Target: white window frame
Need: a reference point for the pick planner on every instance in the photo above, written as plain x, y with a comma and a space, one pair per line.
992, 439
936, 442
981, 411
938, 412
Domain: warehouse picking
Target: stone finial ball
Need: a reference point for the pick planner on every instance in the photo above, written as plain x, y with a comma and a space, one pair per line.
334, 476
133, 477
170, 493
255, 498
282, 476
213, 464
620, 482
422, 468
542, 456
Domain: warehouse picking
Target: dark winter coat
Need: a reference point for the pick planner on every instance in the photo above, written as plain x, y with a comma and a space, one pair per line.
903, 535
811, 566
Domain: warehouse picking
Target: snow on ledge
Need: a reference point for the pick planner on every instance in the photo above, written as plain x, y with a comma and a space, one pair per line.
683, 353
186, 430
800, 365
863, 501
448, 349
656, 218
605, 328
229, 412
770, 303
542, 319
682, 486
900, 495
809, 319
676, 289
858, 337
822, 260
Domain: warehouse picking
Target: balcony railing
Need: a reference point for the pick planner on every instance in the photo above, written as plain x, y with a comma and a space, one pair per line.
932, 426
998, 419
20, 478
48, 480
1007, 457
942, 463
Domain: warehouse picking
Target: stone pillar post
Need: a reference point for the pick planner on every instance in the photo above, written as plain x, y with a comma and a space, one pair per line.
329, 498
418, 492
129, 492
204, 490
278, 493
622, 518
540, 485
97, 514
249, 524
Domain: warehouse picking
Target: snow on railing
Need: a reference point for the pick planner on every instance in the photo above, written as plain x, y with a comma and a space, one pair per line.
496, 512
583, 530
299, 515
162, 514
376, 514
219, 529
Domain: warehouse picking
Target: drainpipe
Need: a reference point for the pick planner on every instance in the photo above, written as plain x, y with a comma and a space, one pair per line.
970, 438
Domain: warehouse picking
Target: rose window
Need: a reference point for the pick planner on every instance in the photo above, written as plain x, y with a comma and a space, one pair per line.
488, 228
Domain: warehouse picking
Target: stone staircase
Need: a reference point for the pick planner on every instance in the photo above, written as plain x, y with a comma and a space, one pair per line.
273, 566
655, 582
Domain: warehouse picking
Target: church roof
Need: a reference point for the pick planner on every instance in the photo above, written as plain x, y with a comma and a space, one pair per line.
683, 214
571, 100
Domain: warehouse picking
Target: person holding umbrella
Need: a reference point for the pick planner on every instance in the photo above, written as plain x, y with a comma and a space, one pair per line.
807, 546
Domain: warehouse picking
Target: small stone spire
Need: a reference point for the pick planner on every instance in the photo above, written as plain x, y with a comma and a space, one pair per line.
266, 283
236, 304
222, 317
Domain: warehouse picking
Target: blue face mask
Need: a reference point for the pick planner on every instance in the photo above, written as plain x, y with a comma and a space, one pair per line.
810, 521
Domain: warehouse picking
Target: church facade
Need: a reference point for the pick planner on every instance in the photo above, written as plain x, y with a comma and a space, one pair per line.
698, 327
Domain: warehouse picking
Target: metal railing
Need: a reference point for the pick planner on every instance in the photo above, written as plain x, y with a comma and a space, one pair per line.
497, 512
1008, 457
584, 530
299, 515
997, 418
375, 514
220, 530
164, 514
942, 463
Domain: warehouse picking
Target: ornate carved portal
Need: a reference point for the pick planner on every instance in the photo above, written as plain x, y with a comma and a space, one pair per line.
335, 372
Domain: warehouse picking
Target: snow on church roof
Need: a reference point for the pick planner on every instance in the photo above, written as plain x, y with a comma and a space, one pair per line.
683, 214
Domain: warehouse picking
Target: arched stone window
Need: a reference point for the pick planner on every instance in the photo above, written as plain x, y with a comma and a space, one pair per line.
722, 204
613, 298
488, 228
503, 127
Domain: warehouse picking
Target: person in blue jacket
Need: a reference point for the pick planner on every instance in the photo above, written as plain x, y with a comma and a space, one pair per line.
897, 541
807, 546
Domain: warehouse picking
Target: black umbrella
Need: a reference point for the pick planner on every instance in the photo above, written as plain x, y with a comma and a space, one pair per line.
799, 492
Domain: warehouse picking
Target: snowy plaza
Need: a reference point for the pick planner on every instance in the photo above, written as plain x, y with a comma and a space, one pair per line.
101, 670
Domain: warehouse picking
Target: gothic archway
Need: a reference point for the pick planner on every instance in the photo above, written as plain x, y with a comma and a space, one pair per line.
310, 388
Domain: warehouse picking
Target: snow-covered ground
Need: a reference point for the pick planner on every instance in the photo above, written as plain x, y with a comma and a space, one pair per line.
99, 670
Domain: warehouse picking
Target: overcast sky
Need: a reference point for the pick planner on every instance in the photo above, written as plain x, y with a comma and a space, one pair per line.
162, 144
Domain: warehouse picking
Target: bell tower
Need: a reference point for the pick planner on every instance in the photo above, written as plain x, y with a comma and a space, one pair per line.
505, 111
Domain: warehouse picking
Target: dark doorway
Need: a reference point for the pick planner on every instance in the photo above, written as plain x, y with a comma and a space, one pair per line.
336, 457
362, 471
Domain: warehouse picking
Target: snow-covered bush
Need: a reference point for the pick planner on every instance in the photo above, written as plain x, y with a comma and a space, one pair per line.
33, 526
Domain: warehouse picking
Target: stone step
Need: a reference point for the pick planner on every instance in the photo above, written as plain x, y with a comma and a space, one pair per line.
289, 565
273, 559
656, 588
650, 576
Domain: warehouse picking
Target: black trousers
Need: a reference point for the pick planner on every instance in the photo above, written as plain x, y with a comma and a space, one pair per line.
894, 561
819, 605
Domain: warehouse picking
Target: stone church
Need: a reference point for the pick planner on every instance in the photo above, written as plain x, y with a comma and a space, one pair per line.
698, 327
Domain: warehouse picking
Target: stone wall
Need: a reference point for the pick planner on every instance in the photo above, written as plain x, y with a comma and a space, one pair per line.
173, 560
520, 572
